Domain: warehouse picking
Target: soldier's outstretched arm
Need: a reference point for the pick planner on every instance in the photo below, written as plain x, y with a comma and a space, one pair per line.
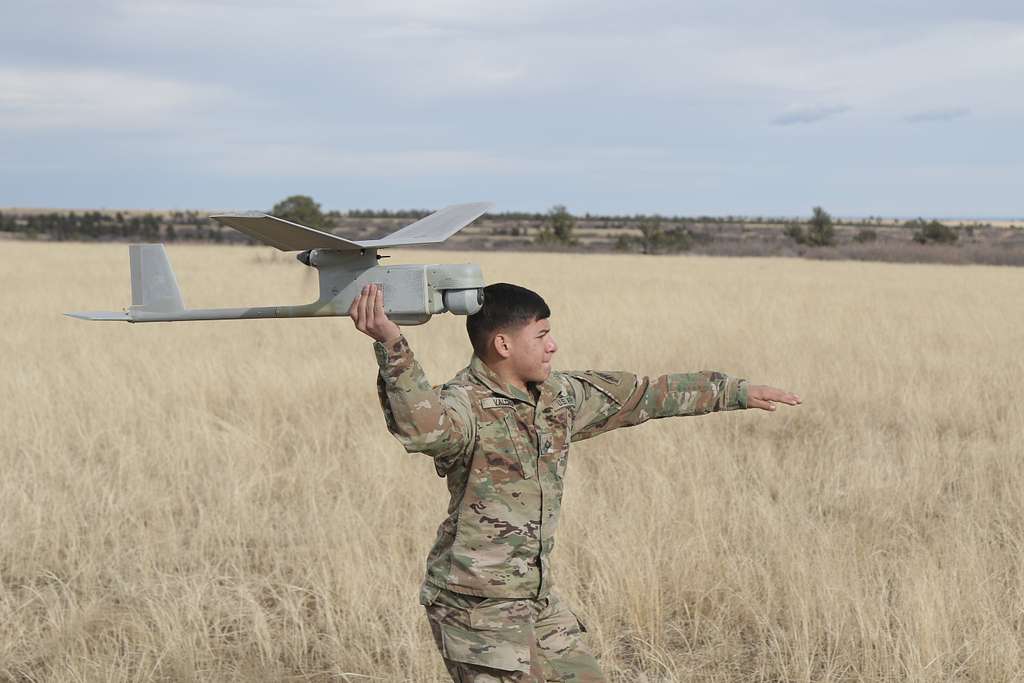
609, 400
424, 420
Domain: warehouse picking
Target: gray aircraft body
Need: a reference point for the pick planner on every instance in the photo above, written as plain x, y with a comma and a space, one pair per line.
412, 293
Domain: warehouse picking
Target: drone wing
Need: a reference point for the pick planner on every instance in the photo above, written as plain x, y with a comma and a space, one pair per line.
285, 235
288, 236
433, 229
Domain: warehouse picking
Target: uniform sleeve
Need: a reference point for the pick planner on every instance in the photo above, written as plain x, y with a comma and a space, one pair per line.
435, 421
608, 400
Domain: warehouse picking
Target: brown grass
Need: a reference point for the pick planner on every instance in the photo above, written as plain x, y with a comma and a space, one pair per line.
221, 501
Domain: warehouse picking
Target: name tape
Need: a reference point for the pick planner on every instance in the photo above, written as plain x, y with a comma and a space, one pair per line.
500, 402
496, 402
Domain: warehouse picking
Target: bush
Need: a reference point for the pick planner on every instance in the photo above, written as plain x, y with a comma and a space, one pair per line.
558, 227
301, 209
932, 232
820, 231
655, 239
795, 233
865, 235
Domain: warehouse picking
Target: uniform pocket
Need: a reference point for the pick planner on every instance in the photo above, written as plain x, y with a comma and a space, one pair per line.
562, 463
494, 633
525, 462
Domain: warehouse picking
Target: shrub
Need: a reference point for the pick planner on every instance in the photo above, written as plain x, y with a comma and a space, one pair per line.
301, 209
820, 231
865, 235
932, 232
795, 233
558, 227
654, 239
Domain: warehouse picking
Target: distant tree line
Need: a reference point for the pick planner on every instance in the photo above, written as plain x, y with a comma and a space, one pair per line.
819, 231
647, 233
96, 226
656, 238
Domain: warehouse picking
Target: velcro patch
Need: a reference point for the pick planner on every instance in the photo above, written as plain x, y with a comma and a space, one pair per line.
617, 386
496, 402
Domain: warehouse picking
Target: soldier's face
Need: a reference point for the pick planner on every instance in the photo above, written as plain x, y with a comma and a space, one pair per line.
532, 348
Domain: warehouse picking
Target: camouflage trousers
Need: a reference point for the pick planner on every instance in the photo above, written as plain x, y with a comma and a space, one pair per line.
499, 640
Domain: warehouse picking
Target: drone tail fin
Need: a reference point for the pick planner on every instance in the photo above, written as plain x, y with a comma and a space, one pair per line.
154, 287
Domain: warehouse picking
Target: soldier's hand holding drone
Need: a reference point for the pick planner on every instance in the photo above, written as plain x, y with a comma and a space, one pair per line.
367, 312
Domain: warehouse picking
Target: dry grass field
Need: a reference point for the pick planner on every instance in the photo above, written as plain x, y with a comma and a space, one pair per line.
221, 501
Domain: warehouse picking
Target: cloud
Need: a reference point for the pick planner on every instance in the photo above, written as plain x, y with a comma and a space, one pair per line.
938, 115
633, 103
42, 98
298, 160
808, 115
302, 160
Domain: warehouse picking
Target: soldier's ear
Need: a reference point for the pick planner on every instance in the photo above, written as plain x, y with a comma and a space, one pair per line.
502, 345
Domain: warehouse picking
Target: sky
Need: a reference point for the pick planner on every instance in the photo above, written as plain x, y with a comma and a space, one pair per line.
675, 107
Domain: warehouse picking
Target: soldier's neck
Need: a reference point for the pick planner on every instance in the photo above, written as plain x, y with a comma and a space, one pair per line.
508, 377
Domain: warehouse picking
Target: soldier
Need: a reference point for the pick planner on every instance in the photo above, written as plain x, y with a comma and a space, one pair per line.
499, 432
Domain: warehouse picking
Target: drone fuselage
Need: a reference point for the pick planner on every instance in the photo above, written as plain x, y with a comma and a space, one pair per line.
412, 293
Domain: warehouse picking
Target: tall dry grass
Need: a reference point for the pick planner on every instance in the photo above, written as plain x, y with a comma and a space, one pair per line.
221, 501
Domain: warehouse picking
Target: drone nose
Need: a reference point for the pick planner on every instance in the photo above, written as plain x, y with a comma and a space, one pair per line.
303, 257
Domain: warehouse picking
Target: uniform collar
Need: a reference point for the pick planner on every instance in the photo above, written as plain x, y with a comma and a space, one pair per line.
489, 378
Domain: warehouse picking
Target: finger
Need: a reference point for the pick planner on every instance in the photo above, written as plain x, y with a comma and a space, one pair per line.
761, 404
353, 310
371, 300
372, 304
366, 303
360, 306
379, 315
773, 394
786, 397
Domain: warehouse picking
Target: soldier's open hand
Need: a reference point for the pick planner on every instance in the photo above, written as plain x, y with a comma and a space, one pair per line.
367, 312
765, 398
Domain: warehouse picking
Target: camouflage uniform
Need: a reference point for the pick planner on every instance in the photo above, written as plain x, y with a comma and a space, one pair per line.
504, 454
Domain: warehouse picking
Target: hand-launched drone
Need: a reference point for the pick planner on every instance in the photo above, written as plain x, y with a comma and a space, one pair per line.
412, 293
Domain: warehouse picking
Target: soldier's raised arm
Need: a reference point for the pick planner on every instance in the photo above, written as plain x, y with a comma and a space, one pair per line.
438, 423
608, 400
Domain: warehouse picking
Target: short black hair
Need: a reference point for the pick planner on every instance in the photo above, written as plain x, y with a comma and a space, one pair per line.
506, 307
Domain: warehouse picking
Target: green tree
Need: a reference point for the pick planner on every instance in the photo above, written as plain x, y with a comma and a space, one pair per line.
300, 209
652, 235
558, 227
932, 232
820, 231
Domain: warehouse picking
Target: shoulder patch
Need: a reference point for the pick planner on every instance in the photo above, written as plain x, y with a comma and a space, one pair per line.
615, 385
496, 402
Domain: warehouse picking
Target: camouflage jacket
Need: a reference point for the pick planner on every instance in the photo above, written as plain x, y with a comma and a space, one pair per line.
504, 454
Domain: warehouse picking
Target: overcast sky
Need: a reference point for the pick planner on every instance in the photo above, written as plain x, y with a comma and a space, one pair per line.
713, 107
